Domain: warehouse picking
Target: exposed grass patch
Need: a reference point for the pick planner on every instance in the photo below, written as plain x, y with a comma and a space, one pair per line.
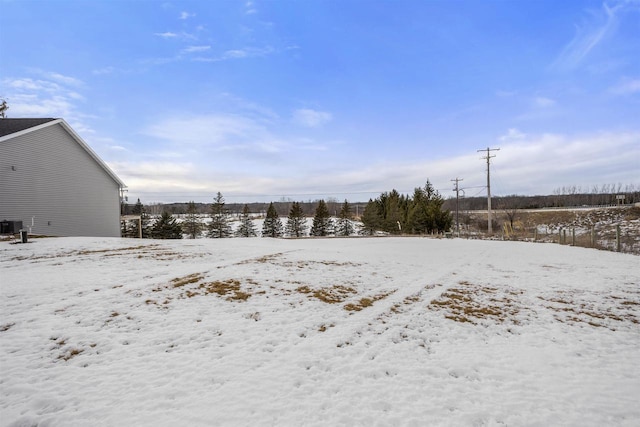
228, 288
469, 303
366, 302
115, 251
70, 353
579, 308
331, 295
323, 328
191, 278
262, 260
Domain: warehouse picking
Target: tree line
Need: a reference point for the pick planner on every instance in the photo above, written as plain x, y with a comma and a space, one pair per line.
390, 213
562, 197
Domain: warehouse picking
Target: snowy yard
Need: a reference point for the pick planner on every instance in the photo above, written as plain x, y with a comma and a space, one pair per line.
361, 331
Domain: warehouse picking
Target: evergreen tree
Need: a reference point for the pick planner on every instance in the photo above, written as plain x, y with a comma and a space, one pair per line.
418, 218
272, 226
441, 220
322, 223
192, 225
296, 222
392, 206
132, 228
345, 226
246, 227
395, 213
219, 226
166, 228
371, 219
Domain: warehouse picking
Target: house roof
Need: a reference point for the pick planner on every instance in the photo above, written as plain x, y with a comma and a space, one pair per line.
11, 128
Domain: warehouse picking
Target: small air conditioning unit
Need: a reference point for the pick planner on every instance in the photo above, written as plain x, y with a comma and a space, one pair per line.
10, 227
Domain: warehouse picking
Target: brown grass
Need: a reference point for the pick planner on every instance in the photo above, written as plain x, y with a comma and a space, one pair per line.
331, 295
191, 278
71, 353
228, 288
366, 302
570, 308
469, 303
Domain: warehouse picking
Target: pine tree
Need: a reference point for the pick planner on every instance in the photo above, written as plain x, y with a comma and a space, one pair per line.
132, 230
219, 226
246, 227
371, 218
296, 222
272, 226
192, 225
322, 223
345, 226
418, 219
166, 227
393, 212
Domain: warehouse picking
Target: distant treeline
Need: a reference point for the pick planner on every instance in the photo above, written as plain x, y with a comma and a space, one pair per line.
282, 207
563, 197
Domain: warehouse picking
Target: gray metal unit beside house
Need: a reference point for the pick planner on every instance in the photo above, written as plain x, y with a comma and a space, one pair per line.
53, 182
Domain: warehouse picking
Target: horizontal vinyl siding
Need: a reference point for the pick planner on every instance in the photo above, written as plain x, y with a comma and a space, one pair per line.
57, 183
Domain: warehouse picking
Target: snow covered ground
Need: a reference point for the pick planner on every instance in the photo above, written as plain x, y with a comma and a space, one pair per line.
360, 331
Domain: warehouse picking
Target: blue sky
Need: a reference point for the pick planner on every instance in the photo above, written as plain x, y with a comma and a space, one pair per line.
314, 99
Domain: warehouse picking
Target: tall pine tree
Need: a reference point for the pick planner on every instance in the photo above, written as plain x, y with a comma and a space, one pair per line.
272, 226
132, 229
296, 222
344, 226
192, 224
322, 223
371, 218
219, 226
246, 227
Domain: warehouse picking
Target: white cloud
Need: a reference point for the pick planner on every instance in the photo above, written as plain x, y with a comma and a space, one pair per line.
230, 54
512, 134
195, 49
166, 35
237, 53
250, 158
311, 118
216, 132
53, 95
104, 70
543, 102
186, 15
65, 80
597, 27
627, 87
250, 8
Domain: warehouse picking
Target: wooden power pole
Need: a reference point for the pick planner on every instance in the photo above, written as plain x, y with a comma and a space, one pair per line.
457, 190
488, 158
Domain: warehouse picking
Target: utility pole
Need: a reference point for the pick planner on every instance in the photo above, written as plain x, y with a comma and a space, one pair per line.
457, 190
488, 158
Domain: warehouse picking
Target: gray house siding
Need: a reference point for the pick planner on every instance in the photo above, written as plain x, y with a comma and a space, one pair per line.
48, 178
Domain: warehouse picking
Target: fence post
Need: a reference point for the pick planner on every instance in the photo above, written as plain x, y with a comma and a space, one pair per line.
564, 236
618, 238
535, 234
593, 236
573, 237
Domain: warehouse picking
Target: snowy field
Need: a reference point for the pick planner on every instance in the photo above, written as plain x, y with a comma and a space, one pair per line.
354, 332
